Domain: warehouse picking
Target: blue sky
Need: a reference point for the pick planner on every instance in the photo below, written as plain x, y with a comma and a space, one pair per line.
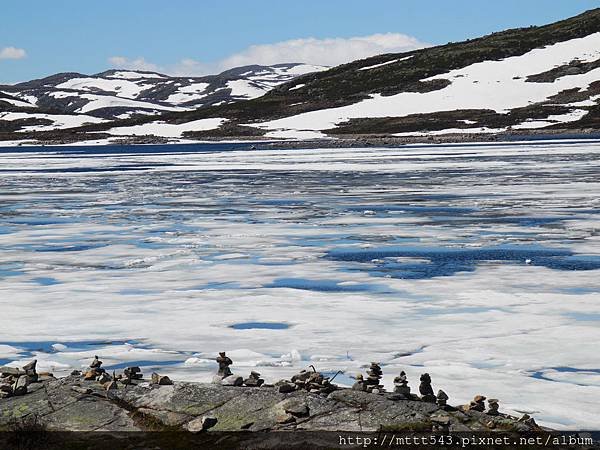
41, 37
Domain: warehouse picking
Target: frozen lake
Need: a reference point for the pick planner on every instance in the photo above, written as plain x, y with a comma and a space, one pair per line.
479, 264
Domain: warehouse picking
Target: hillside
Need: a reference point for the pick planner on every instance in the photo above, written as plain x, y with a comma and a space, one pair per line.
69, 100
528, 80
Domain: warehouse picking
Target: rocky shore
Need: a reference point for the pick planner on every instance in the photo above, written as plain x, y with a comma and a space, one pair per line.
334, 141
95, 400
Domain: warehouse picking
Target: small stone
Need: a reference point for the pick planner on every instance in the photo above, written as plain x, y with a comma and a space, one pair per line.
232, 380
164, 381
286, 388
201, 424
284, 418
6, 388
442, 420
90, 375
45, 376
76, 373
111, 385
81, 390
293, 406
20, 386
161, 380
133, 373
103, 378
359, 386
30, 366
302, 376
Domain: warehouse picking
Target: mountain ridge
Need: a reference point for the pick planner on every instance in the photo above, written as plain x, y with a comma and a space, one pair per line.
539, 79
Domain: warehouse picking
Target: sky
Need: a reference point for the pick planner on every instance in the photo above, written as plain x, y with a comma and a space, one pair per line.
182, 37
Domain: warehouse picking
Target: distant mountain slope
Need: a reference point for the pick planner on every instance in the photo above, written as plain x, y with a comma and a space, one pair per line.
526, 80
529, 78
122, 94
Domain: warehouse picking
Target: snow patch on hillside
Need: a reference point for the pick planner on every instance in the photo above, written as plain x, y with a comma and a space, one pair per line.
60, 121
132, 75
244, 88
106, 101
498, 85
167, 129
120, 88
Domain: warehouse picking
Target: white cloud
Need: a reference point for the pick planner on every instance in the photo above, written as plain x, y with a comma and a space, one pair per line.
120, 62
12, 53
326, 52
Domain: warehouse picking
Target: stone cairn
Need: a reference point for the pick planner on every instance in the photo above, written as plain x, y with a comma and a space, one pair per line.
374, 375
401, 385
493, 407
224, 375
426, 390
254, 380
442, 398
477, 404
15, 381
314, 382
95, 372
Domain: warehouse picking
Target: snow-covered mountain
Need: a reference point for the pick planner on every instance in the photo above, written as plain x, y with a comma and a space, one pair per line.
72, 99
528, 80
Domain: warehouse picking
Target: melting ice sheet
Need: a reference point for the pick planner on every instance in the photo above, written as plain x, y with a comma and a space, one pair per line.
476, 263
